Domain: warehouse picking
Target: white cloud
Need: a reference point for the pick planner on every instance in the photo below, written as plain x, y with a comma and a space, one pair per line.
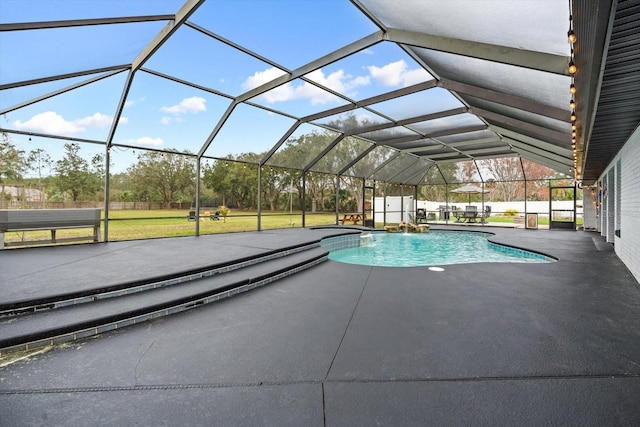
390, 74
397, 73
131, 102
123, 120
338, 81
393, 74
166, 120
53, 123
261, 77
96, 121
48, 122
361, 81
194, 105
144, 141
415, 76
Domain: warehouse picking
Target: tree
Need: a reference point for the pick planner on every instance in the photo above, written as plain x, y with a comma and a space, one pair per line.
351, 148
38, 160
508, 177
318, 186
467, 172
436, 179
234, 180
73, 175
12, 161
274, 182
299, 153
537, 180
164, 177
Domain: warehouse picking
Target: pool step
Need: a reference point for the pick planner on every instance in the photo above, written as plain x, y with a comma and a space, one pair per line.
70, 321
124, 288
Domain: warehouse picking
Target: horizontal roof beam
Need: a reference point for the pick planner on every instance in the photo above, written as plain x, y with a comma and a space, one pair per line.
496, 156
455, 131
535, 142
46, 135
65, 76
445, 155
519, 145
458, 144
417, 119
545, 161
557, 64
522, 126
82, 22
489, 150
506, 99
373, 100
59, 91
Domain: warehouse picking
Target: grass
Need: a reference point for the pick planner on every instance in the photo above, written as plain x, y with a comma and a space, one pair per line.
146, 224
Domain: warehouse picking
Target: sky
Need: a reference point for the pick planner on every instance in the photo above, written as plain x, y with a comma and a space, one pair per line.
163, 114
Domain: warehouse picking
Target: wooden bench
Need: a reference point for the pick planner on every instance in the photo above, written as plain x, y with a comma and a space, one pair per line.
48, 219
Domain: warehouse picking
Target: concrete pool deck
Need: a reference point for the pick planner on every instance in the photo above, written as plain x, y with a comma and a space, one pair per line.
339, 344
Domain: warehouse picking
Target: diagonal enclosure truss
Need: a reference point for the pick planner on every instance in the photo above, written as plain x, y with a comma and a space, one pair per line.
478, 91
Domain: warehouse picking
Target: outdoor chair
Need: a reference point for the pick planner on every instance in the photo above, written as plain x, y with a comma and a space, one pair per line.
470, 213
215, 216
485, 214
443, 212
457, 213
192, 216
421, 216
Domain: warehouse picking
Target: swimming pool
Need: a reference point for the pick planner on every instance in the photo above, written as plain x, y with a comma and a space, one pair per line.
433, 248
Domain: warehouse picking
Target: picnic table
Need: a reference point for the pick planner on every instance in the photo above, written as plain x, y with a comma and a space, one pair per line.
353, 218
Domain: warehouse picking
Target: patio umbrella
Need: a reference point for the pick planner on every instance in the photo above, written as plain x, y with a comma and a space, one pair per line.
469, 189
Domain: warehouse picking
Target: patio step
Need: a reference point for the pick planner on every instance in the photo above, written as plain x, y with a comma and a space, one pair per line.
115, 290
68, 319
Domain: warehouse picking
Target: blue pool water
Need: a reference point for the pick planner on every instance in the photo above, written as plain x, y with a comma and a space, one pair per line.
433, 248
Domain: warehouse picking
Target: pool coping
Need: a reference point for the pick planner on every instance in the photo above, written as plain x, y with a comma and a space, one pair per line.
335, 243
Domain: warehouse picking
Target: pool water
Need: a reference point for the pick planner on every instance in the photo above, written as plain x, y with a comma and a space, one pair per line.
433, 248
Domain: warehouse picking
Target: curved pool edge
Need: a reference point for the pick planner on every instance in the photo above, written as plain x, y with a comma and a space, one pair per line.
351, 239
554, 258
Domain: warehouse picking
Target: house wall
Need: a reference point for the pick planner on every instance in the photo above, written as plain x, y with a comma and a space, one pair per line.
590, 201
623, 175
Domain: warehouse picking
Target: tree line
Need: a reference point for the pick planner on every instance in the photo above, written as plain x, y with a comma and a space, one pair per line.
170, 176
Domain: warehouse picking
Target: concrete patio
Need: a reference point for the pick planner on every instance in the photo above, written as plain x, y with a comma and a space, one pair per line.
339, 344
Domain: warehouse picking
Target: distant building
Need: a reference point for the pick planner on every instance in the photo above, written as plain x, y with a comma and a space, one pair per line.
21, 193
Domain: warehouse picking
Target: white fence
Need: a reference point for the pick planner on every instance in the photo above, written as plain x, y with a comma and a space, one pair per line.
393, 209
539, 207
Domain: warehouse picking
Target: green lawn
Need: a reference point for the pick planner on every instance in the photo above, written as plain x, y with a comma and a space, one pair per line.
146, 224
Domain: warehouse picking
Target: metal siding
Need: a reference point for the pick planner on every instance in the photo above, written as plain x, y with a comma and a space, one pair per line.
618, 110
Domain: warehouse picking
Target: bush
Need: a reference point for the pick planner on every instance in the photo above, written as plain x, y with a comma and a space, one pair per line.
511, 212
224, 211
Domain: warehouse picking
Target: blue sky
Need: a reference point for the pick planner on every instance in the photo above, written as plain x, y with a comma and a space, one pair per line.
163, 114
